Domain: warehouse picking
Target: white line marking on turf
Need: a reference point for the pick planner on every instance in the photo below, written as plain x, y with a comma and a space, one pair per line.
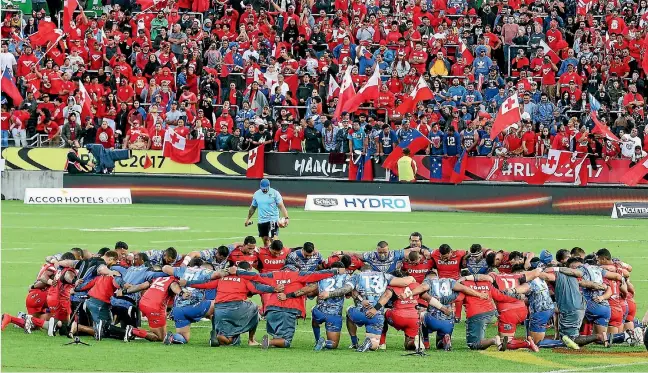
597, 367
16, 248
134, 229
409, 222
404, 235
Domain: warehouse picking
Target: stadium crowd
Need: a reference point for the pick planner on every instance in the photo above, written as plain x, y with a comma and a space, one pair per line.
259, 72
585, 298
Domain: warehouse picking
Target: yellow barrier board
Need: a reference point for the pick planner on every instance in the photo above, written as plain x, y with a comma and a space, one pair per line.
54, 159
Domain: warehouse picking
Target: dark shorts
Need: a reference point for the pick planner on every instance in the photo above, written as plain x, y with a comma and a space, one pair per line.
440, 326
268, 229
597, 313
98, 310
281, 324
332, 323
82, 315
373, 325
476, 328
538, 321
569, 322
184, 316
235, 318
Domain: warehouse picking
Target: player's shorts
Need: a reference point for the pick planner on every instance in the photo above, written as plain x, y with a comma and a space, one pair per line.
632, 310
185, 316
508, 320
405, 320
36, 301
616, 315
157, 317
98, 310
62, 309
569, 322
281, 324
440, 326
332, 323
476, 328
235, 318
538, 321
597, 313
268, 229
373, 325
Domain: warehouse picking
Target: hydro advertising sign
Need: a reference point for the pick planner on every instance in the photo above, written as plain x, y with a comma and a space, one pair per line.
336, 202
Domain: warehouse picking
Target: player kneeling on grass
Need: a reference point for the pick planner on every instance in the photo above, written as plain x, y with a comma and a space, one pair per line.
233, 313
480, 311
328, 310
56, 296
404, 315
368, 287
512, 312
282, 309
153, 305
442, 293
192, 304
541, 308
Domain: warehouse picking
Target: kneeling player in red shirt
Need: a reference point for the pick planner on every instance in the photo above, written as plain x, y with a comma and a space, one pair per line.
403, 316
58, 298
511, 312
153, 305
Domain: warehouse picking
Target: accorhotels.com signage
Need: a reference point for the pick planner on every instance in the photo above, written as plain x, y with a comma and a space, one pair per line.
77, 196
335, 202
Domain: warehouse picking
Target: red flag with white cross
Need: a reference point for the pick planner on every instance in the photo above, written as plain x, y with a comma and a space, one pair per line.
509, 113
181, 150
256, 163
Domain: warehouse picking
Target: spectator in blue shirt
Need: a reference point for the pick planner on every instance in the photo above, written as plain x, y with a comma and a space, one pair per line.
482, 62
386, 140
451, 143
437, 138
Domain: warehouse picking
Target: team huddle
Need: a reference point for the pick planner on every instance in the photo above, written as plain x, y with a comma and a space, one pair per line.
585, 298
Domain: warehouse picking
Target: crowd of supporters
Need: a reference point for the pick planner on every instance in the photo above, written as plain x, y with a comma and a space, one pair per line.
239, 75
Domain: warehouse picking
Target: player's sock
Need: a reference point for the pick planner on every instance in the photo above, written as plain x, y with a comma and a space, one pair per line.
550, 343
141, 333
383, 335
329, 344
316, 332
179, 339
426, 335
516, 344
354, 340
618, 338
583, 340
38, 322
18, 321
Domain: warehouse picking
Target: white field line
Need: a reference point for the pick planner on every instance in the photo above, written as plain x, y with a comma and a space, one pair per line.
16, 248
598, 367
356, 234
408, 222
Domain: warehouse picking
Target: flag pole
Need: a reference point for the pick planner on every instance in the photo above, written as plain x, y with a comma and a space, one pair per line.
49, 49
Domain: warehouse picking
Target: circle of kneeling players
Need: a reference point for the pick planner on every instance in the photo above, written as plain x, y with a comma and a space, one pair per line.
417, 290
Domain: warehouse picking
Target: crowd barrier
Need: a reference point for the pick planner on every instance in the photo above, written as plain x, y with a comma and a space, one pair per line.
312, 165
492, 197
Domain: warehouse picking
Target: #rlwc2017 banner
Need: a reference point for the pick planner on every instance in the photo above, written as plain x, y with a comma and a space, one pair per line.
485, 168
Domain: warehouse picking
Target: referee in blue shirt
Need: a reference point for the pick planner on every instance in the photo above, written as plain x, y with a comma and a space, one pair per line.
269, 202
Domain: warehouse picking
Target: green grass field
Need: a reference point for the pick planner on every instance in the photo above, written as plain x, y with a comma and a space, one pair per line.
29, 233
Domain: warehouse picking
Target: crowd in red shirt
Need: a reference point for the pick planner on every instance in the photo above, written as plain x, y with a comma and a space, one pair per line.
223, 71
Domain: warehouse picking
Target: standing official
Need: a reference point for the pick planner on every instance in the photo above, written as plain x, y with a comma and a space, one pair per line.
269, 202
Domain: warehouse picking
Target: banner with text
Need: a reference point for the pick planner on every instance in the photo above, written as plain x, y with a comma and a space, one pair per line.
78, 196
211, 163
335, 202
630, 210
